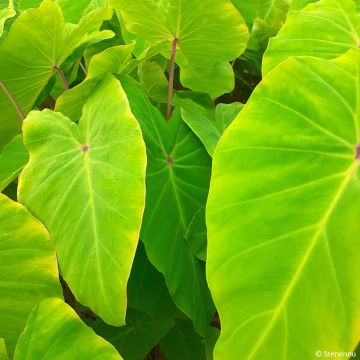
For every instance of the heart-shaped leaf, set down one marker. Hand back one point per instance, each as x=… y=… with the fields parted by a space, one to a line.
x=326 y=29
x=28 y=268
x=284 y=271
x=55 y=332
x=86 y=183
x=178 y=176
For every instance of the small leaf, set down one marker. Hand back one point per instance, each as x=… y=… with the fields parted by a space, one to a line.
x=326 y=29
x=86 y=183
x=54 y=331
x=284 y=271
x=6 y=13
x=3 y=352
x=28 y=268
x=12 y=160
x=226 y=113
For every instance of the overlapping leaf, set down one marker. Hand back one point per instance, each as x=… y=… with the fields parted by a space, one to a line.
x=86 y=183
x=284 y=270
x=325 y=29
x=54 y=331
x=177 y=185
x=6 y=13
x=28 y=268
x=27 y=63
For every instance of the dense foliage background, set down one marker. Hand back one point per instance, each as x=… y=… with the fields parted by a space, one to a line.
x=180 y=179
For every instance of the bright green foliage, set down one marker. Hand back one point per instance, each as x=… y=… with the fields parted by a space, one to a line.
x=179 y=153
x=51 y=44
x=178 y=174
x=55 y=332
x=12 y=160
x=6 y=13
x=187 y=22
x=326 y=29
x=94 y=176
x=28 y=269
x=289 y=162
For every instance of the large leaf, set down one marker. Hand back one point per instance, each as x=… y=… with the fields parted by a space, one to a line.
x=326 y=29
x=12 y=160
x=200 y=27
x=86 y=183
x=28 y=268
x=55 y=332
x=284 y=271
x=178 y=175
x=46 y=45
x=141 y=333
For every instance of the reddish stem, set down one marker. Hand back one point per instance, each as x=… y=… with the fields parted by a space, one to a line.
x=12 y=100
x=171 y=79
x=62 y=76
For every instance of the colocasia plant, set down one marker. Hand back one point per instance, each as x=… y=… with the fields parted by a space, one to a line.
x=179 y=179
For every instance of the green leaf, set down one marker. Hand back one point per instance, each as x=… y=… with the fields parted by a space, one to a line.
x=86 y=183
x=147 y=290
x=196 y=235
x=188 y=21
x=51 y=44
x=326 y=29
x=54 y=331
x=114 y=60
x=183 y=343
x=215 y=80
x=3 y=352
x=28 y=268
x=154 y=81
x=178 y=175
x=226 y=113
x=135 y=340
x=6 y=13
x=12 y=160
x=284 y=270
x=198 y=113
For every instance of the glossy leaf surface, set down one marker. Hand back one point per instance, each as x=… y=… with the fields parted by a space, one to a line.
x=55 y=332
x=86 y=183
x=284 y=277
x=28 y=268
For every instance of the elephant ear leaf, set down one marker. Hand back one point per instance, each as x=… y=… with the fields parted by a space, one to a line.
x=25 y=77
x=289 y=163
x=326 y=29
x=86 y=183
x=54 y=331
x=29 y=271
x=188 y=21
x=6 y=13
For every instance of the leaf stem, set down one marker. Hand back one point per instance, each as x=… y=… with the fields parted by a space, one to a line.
x=62 y=77
x=171 y=79
x=12 y=100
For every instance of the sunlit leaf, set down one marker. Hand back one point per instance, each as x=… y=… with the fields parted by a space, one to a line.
x=46 y=45
x=28 y=268
x=86 y=183
x=55 y=332
x=325 y=29
x=284 y=271
x=6 y=13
